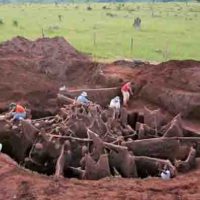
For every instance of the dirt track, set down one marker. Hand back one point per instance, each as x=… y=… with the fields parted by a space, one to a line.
x=32 y=72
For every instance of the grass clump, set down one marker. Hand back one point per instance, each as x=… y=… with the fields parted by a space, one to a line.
x=15 y=23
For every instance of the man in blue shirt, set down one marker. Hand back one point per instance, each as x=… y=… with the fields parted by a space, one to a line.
x=83 y=99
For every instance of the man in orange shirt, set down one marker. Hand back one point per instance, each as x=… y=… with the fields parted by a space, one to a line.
x=126 y=90
x=17 y=111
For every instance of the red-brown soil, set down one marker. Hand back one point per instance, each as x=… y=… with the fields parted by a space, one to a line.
x=20 y=184
x=33 y=71
x=174 y=85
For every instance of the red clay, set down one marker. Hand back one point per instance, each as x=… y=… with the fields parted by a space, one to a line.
x=19 y=184
x=32 y=72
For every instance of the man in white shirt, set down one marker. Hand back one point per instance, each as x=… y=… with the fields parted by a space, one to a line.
x=165 y=174
x=115 y=104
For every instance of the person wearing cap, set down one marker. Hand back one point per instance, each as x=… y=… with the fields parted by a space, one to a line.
x=126 y=90
x=17 y=111
x=83 y=98
x=165 y=174
x=115 y=103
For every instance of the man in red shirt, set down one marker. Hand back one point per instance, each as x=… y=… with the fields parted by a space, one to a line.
x=126 y=90
x=17 y=111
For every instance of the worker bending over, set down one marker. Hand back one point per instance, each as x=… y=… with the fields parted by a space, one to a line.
x=17 y=111
x=83 y=99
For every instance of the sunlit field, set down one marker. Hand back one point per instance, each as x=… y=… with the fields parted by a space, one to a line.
x=105 y=31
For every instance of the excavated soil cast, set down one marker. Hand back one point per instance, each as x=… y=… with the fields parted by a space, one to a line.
x=137 y=142
x=173 y=85
x=33 y=71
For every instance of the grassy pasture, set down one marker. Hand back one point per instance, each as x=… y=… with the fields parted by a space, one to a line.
x=169 y=30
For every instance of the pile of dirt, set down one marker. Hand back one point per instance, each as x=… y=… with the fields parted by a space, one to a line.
x=53 y=56
x=32 y=71
x=173 y=85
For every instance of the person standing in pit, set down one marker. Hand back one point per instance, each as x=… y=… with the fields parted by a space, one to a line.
x=126 y=90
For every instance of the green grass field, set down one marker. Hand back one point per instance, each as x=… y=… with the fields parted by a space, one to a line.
x=173 y=32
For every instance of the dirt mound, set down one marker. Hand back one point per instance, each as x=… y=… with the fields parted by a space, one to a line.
x=56 y=48
x=32 y=71
x=173 y=85
x=182 y=75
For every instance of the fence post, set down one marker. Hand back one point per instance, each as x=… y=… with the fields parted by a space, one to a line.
x=94 y=38
x=43 y=33
x=131 y=44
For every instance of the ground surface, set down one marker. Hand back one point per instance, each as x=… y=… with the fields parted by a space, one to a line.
x=34 y=71
x=169 y=31
x=22 y=185
x=31 y=73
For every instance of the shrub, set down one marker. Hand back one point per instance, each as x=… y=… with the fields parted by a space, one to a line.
x=89 y=8
x=15 y=22
x=60 y=17
x=1 y=21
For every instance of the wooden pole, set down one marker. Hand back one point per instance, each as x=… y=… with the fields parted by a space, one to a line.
x=94 y=38
x=131 y=44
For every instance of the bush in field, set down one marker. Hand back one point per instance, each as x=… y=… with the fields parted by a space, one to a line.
x=111 y=15
x=104 y=7
x=1 y=21
x=15 y=23
x=89 y=8
x=60 y=17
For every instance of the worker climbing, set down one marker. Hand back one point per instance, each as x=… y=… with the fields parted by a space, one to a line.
x=17 y=112
x=82 y=98
x=126 y=90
